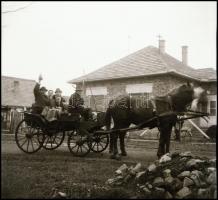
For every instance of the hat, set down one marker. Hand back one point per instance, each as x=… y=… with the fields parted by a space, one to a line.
x=43 y=89
x=58 y=90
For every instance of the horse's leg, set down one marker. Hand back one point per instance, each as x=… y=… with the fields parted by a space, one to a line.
x=161 y=148
x=122 y=143
x=115 y=149
x=168 y=135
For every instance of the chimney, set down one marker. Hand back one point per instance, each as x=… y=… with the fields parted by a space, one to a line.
x=185 y=55
x=162 y=46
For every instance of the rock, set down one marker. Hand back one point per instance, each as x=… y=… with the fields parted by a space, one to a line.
x=166 y=173
x=176 y=185
x=136 y=169
x=146 y=191
x=183 y=193
x=159 y=192
x=149 y=186
x=110 y=181
x=168 y=195
x=168 y=180
x=158 y=181
x=152 y=168
x=62 y=195
x=165 y=158
x=114 y=181
x=186 y=154
x=197 y=173
x=193 y=163
x=198 y=178
x=183 y=159
x=174 y=155
x=187 y=182
x=140 y=176
x=212 y=178
x=128 y=178
x=184 y=174
x=203 y=193
x=121 y=170
x=212 y=161
x=211 y=169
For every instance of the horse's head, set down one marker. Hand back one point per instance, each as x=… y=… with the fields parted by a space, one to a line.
x=186 y=95
x=199 y=97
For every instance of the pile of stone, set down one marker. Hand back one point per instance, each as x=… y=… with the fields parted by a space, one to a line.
x=175 y=175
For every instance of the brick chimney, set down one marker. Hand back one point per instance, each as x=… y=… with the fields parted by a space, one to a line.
x=162 y=46
x=185 y=55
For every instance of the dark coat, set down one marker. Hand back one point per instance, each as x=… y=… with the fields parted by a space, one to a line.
x=41 y=100
x=76 y=100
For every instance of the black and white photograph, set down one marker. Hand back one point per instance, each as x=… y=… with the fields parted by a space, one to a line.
x=108 y=99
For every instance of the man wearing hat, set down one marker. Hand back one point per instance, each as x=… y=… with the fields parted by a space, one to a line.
x=76 y=104
x=41 y=99
x=76 y=101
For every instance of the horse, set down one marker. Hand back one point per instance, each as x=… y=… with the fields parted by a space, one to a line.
x=124 y=111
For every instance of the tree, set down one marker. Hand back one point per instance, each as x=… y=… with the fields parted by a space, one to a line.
x=11 y=8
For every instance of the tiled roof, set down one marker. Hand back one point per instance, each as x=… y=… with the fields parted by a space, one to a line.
x=17 y=91
x=147 y=61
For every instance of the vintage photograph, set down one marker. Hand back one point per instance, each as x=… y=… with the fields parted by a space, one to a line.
x=108 y=99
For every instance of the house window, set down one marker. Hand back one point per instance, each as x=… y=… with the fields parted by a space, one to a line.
x=96 y=91
x=141 y=100
x=212 y=108
x=140 y=93
x=16 y=85
x=96 y=97
x=139 y=88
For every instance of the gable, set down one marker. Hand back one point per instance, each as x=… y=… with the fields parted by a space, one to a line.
x=17 y=92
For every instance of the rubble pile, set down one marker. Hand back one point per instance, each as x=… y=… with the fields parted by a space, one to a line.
x=175 y=175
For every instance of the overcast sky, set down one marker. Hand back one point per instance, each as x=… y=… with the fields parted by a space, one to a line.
x=64 y=40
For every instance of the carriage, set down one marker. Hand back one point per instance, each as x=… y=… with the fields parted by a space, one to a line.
x=35 y=132
x=86 y=136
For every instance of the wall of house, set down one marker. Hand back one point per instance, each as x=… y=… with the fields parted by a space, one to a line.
x=17 y=92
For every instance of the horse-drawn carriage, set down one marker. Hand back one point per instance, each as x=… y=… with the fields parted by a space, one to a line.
x=35 y=132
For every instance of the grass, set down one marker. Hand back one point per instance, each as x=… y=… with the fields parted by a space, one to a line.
x=35 y=176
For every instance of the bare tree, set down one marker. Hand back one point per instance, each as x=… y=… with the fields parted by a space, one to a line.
x=15 y=9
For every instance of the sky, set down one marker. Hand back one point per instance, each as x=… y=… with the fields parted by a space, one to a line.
x=65 y=40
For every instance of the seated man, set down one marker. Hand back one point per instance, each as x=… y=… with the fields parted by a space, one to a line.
x=76 y=105
x=41 y=99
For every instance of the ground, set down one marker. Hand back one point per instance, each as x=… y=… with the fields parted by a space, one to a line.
x=36 y=175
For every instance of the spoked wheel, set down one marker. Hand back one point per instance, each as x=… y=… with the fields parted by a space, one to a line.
x=99 y=142
x=78 y=144
x=29 y=136
x=54 y=140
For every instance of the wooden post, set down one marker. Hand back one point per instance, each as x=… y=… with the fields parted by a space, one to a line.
x=202 y=132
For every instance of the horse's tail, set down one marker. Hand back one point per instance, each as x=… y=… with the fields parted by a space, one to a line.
x=108 y=119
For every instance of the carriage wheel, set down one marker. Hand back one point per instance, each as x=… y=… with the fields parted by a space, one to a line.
x=53 y=141
x=29 y=136
x=78 y=144
x=99 y=143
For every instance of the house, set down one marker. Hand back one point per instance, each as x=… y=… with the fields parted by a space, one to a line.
x=17 y=93
x=149 y=71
